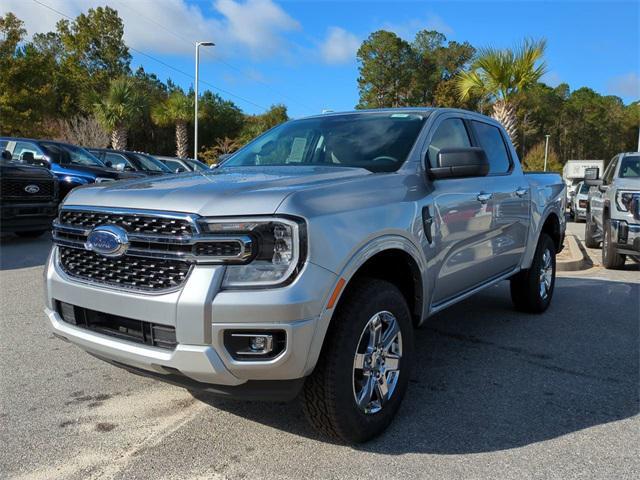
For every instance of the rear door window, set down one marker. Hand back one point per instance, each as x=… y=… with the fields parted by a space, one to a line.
x=491 y=140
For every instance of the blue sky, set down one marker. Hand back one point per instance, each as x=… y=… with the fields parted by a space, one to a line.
x=302 y=53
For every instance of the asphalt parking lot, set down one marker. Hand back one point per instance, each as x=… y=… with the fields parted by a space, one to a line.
x=495 y=394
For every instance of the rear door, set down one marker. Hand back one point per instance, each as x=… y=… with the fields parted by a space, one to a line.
x=510 y=196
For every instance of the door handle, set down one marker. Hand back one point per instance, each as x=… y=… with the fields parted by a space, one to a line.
x=521 y=192
x=484 y=197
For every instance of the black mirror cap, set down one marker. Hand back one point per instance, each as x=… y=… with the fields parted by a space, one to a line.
x=460 y=162
x=597 y=182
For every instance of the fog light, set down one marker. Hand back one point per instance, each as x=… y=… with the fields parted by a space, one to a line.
x=243 y=345
x=67 y=312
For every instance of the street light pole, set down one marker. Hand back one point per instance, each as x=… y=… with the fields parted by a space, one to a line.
x=546 y=151
x=195 y=120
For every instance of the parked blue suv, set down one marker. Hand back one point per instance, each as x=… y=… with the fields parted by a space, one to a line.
x=72 y=165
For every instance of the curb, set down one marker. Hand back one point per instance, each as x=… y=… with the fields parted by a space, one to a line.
x=578 y=256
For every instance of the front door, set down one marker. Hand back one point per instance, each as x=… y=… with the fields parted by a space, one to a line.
x=459 y=218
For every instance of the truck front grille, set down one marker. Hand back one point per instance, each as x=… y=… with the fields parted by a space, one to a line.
x=22 y=190
x=131 y=222
x=160 y=251
x=150 y=274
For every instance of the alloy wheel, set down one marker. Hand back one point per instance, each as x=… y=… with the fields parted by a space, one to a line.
x=376 y=364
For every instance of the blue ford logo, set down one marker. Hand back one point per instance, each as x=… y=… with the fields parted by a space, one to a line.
x=107 y=240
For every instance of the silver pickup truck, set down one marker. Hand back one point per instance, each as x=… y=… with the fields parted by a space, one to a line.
x=301 y=265
x=613 y=210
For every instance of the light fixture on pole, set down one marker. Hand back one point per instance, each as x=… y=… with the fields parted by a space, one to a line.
x=195 y=120
x=546 y=151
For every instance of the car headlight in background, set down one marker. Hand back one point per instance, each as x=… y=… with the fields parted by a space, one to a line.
x=278 y=249
x=624 y=200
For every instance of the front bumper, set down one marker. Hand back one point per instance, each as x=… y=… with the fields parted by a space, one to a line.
x=627 y=237
x=200 y=313
x=21 y=217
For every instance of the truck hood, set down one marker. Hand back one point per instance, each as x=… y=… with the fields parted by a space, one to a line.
x=223 y=191
x=628 y=184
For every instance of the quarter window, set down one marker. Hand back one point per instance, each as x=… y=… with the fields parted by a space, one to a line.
x=491 y=141
x=451 y=133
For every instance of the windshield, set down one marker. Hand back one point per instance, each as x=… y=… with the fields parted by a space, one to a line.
x=379 y=142
x=196 y=165
x=630 y=167
x=151 y=164
x=70 y=154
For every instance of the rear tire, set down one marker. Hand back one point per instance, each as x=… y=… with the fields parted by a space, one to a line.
x=30 y=233
x=589 y=239
x=532 y=289
x=610 y=258
x=343 y=398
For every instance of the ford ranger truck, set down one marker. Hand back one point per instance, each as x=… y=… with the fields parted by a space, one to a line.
x=301 y=266
x=613 y=211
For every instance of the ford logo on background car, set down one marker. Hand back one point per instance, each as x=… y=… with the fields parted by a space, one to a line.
x=32 y=188
x=107 y=240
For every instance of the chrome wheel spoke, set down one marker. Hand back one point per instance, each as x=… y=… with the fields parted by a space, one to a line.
x=390 y=335
x=359 y=361
x=368 y=387
x=392 y=362
x=375 y=332
x=383 y=388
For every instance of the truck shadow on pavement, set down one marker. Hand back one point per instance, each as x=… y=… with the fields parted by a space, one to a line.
x=488 y=378
x=16 y=252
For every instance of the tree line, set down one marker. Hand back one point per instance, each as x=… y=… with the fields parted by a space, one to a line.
x=505 y=83
x=76 y=84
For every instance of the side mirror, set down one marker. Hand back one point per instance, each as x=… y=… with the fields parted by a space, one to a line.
x=460 y=162
x=6 y=155
x=591 y=173
x=27 y=157
x=593 y=183
x=109 y=163
x=602 y=187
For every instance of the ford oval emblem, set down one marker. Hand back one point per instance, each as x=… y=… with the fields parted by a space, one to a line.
x=107 y=240
x=32 y=188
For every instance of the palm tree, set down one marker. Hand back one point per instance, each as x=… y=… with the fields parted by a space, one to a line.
x=119 y=109
x=176 y=110
x=500 y=75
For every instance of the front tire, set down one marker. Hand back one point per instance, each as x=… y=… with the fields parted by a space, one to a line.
x=610 y=258
x=363 y=371
x=589 y=239
x=532 y=289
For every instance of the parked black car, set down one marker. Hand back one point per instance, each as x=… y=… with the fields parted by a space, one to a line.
x=180 y=165
x=72 y=165
x=126 y=161
x=28 y=198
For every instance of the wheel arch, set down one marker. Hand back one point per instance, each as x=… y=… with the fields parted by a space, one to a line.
x=391 y=258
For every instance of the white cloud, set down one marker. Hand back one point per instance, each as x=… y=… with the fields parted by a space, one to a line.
x=168 y=26
x=627 y=85
x=408 y=29
x=339 y=46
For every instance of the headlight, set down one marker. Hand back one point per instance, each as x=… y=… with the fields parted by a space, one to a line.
x=624 y=200
x=78 y=180
x=278 y=249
